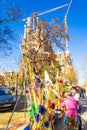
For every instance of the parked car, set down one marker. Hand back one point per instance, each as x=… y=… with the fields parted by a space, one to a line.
x=7 y=100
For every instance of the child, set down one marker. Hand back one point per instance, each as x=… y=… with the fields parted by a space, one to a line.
x=71 y=111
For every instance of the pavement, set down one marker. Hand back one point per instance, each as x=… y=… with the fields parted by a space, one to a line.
x=83 y=102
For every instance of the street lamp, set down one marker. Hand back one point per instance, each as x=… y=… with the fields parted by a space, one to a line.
x=17 y=85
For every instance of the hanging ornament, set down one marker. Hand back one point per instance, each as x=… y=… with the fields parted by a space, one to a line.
x=37 y=117
x=33 y=110
x=45 y=68
x=27 y=128
x=46 y=124
x=42 y=109
x=46 y=76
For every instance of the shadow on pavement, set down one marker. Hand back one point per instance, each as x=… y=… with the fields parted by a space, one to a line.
x=84 y=126
x=20 y=105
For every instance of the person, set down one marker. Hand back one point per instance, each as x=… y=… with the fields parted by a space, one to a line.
x=76 y=96
x=82 y=93
x=71 y=111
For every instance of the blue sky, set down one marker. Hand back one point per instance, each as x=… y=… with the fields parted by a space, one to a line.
x=77 y=27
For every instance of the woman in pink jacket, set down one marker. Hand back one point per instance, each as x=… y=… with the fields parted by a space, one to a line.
x=71 y=111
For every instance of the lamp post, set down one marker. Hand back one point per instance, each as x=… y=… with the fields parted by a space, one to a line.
x=17 y=85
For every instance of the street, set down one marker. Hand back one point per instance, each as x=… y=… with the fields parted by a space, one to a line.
x=20 y=105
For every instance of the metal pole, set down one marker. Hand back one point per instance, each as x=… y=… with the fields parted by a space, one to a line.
x=17 y=86
x=65 y=20
x=59 y=7
x=48 y=11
